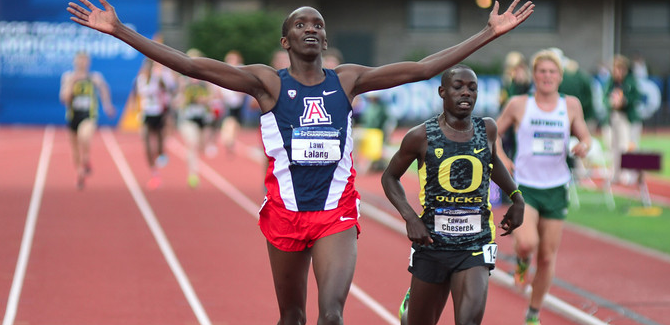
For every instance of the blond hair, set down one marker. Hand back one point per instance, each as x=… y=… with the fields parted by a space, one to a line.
x=547 y=55
x=194 y=53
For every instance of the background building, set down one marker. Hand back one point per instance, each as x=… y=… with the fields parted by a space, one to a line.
x=375 y=32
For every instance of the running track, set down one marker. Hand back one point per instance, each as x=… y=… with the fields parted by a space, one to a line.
x=117 y=253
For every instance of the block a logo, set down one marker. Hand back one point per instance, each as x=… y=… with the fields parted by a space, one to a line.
x=314 y=112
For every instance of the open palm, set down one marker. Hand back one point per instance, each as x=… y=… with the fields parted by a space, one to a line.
x=509 y=19
x=101 y=20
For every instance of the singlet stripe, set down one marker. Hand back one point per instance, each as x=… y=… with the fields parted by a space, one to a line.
x=342 y=175
x=274 y=147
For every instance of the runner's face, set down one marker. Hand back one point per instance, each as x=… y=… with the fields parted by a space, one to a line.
x=82 y=63
x=307 y=32
x=547 y=76
x=460 y=93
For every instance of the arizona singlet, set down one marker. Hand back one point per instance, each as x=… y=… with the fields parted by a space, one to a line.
x=455 y=189
x=307 y=138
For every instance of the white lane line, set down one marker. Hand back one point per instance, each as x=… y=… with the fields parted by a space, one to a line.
x=374 y=305
x=252 y=208
x=155 y=227
x=29 y=229
x=217 y=180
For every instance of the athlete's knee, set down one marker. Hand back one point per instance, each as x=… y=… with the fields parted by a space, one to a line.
x=331 y=317
x=546 y=260
x=471 y=313
x=525 y=247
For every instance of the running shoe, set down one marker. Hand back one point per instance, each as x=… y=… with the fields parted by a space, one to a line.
x=533 y=321
x=81 y=182
x=521 y=271
x=154 y=182
x=211 y=151
x=193 y=180
x=162 y=160
x=88 y=169
x=403 y=305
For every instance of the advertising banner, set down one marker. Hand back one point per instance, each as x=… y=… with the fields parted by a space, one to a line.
x=38 y=42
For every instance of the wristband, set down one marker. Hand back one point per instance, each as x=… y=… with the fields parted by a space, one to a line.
x=514 y=192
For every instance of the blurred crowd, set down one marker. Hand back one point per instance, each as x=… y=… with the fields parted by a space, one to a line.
x=208 y=117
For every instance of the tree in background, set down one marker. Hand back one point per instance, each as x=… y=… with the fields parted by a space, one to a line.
x=253 y=33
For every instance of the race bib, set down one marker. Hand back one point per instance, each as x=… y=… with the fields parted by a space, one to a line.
x=548 y=143
x=458 y=221
x=315 y=146
x=81 y=103
x=490 y=252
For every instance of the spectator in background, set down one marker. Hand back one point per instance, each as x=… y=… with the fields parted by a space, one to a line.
x=79 y=91
x=640 y=72
x=280 y=59
x=516 y=80
x=577 y=83
x=332 y=57
x=620 y=97
x=234 y=103
x=372 y=132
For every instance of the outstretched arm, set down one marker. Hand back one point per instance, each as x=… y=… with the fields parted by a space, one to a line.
x=106 y=21
x=367 y=78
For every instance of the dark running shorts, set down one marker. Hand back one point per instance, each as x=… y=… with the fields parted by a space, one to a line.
x=199 y=121
x=236 y=113
x=437 y=266
x=154 y=122
x=76 y=119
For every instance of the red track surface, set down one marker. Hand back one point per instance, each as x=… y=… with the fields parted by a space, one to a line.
x=97 y=257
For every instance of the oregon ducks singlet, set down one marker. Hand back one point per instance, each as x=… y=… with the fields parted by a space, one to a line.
x=84 y=101
x=455 y=189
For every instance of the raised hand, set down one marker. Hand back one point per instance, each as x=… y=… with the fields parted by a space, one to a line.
x=509 y=19
x=101 y=20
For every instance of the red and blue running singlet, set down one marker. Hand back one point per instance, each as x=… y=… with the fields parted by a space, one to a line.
x=307 y=139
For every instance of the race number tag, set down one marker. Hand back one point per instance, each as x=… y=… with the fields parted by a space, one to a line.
x=315 y=146
x=490 y=253
x=458 y=221
x=81 y=103
x=548 y=143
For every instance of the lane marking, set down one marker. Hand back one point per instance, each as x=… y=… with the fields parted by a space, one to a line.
x=155 y=227
x=29 y=228
x=252 y=208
